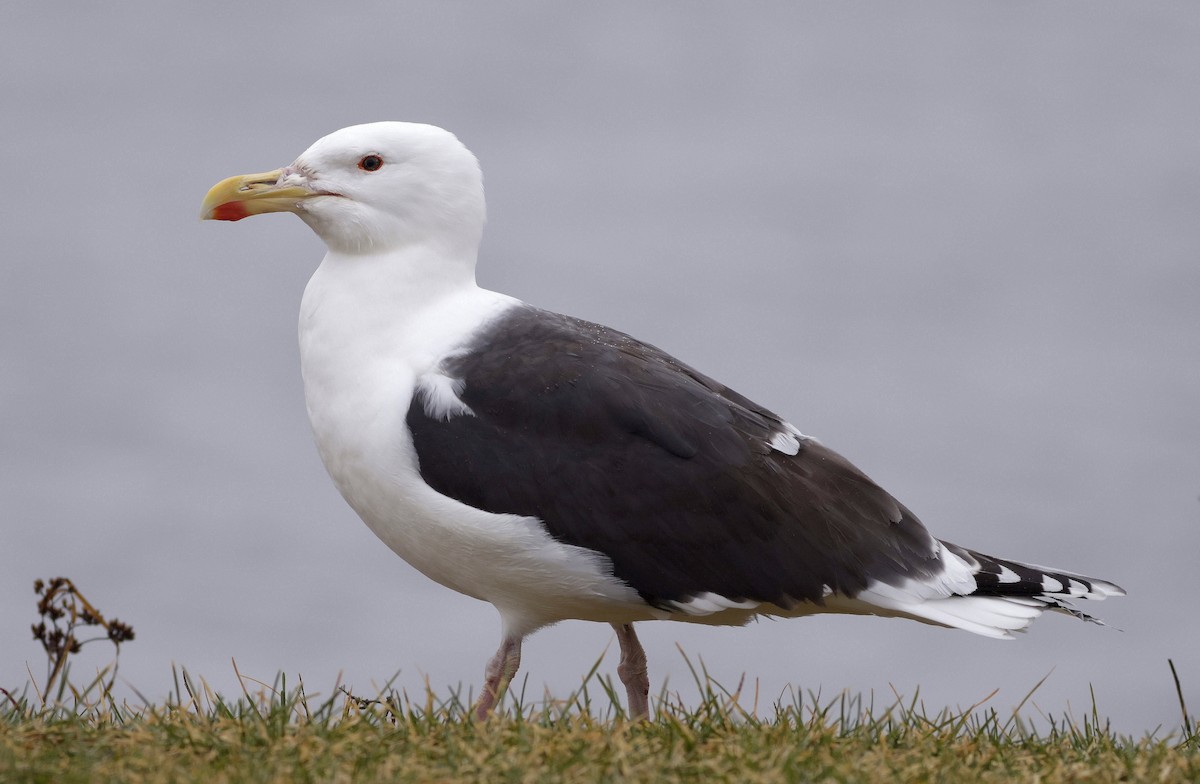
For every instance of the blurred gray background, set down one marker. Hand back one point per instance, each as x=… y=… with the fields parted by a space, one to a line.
x=956 y=241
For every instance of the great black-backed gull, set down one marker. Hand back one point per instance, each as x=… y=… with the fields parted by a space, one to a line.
x=560 y=469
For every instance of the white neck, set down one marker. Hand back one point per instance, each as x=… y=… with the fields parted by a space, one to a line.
x=393 y=283
x=372 y=325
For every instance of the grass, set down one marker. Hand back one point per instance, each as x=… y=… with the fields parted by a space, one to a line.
x=64 y=733
x=281 y=733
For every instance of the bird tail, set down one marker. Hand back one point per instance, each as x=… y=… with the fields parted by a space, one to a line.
x=990 y=596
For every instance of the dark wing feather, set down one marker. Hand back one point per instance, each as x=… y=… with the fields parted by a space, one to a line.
x=618 y=447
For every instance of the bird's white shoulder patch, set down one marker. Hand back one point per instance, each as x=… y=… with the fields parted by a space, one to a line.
x=440 y=396
x=788 y=440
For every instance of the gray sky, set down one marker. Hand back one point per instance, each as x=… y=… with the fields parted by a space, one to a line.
x=958 y=242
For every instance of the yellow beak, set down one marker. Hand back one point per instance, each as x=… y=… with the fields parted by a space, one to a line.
x=234 y=198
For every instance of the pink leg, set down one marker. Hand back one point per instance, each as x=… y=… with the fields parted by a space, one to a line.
x=497 y=675
x=632 y=671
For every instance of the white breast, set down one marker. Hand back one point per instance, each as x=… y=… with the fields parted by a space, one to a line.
x=367 y=341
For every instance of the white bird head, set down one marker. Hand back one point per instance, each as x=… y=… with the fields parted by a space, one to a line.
x=371 y=188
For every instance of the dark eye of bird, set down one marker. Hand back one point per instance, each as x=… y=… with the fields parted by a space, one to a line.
x=371 y=163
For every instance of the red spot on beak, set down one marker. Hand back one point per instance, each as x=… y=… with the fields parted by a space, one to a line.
x=230 y=211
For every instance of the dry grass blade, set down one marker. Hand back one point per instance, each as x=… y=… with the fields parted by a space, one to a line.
x=1188 y=731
